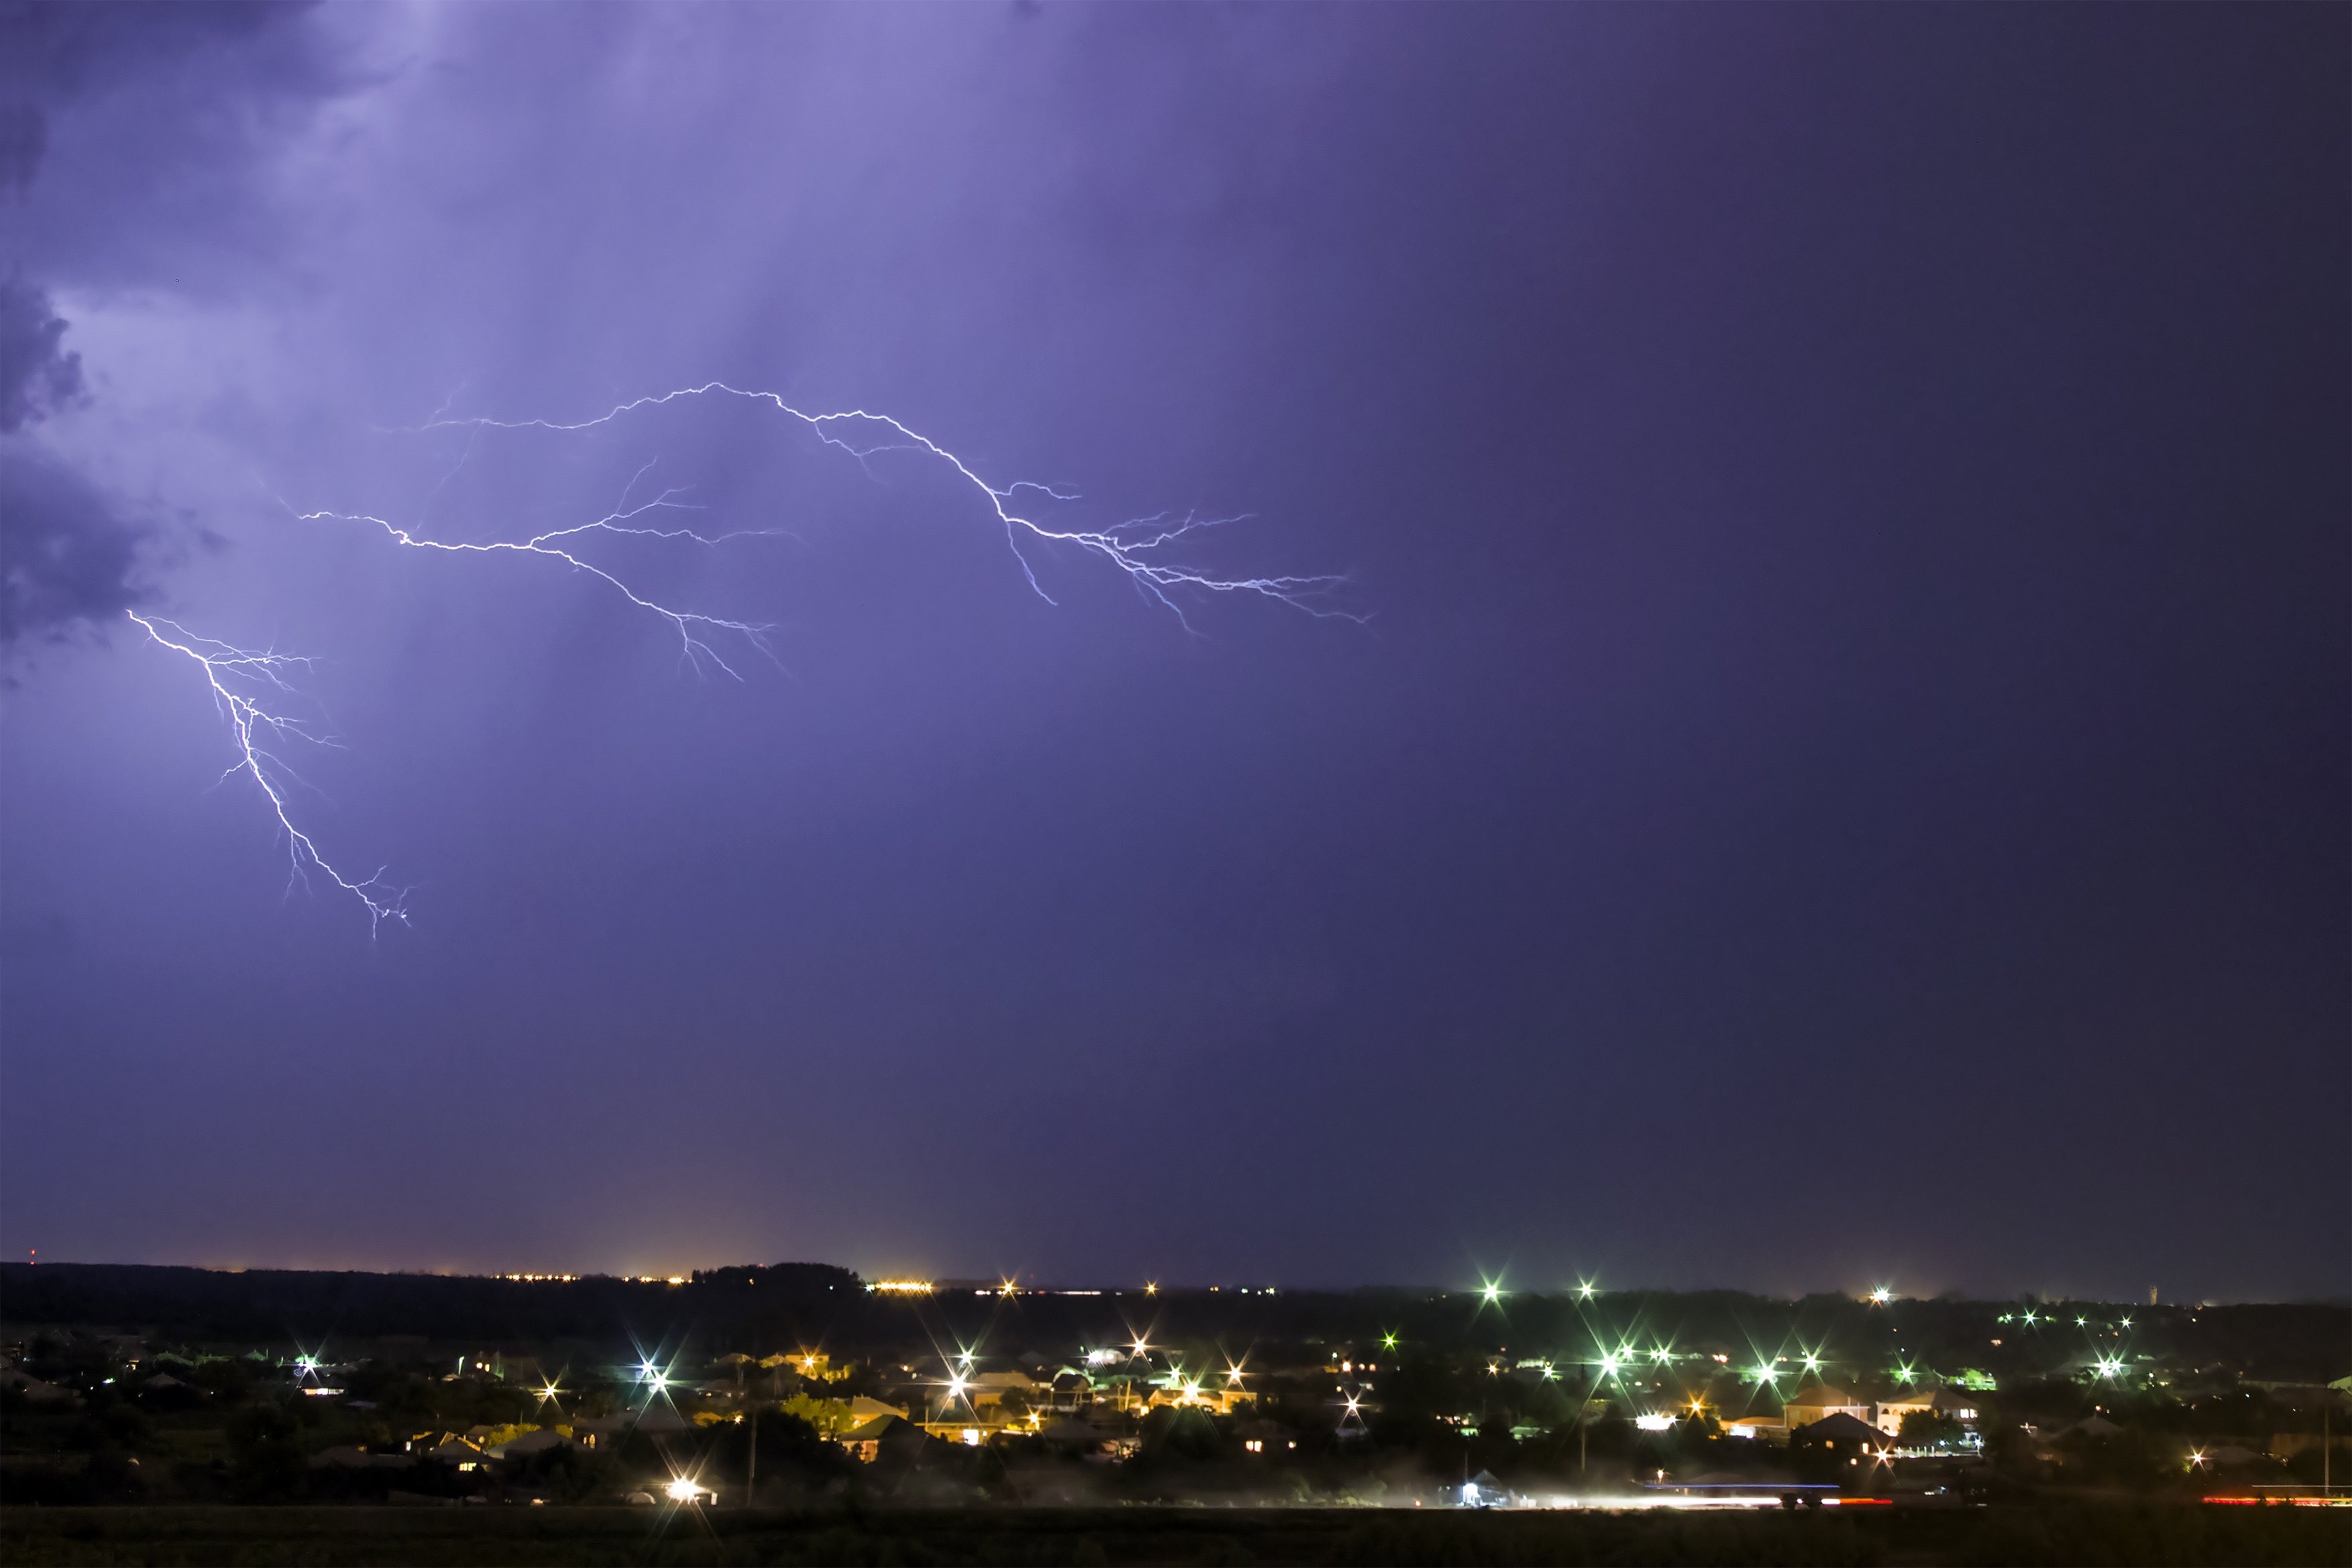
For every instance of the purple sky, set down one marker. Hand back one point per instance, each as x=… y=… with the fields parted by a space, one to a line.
x=1845 y=777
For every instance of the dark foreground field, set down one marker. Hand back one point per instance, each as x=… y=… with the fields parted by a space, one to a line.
x=332 y=1537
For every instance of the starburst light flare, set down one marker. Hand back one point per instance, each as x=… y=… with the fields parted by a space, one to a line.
x=243 y=681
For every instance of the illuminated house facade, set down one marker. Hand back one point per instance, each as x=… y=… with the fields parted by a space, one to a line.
x=1956 y=1403
x=1820 y=1402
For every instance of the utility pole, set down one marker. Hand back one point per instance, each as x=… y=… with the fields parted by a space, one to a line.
x=1584 y=1419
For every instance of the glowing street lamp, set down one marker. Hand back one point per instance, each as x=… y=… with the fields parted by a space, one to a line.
x=1881 y=1296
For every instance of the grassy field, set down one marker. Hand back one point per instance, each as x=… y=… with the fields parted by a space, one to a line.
x=334 y=1537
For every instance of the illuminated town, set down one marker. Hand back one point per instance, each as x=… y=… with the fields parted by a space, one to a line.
x=786 y=1385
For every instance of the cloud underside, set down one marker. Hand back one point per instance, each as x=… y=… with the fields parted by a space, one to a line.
x=66 y=555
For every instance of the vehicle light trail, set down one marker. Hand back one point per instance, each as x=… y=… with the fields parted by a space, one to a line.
x=241 y=680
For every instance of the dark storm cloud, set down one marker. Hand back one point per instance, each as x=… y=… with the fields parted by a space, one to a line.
x=37 y=375
x=138 y=143
x=51 y=54
x=204 y=77
x=65 y=555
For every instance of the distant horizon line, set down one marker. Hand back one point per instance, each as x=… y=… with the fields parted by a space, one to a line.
x=907 y=1284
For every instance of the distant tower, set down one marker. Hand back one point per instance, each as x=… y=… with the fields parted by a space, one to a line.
x=2151 y=1295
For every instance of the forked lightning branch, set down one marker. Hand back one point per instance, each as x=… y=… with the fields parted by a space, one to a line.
x=245 y=684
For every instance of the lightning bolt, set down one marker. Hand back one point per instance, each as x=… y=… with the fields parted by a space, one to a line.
x=1137 y=547
x=242 y=681
x=690 y=627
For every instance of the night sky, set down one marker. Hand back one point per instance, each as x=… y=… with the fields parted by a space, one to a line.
x=1841 y=776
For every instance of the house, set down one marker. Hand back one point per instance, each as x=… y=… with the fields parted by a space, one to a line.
x=864 y=1442
x=989 y=1387
x=1841 y=1433
x=1818 y=1403
x=531 y=1443
x=1772 y=1428
x=1265 y=1438
x=597 y=1430
x=1957 y=1403
x=1071 y=1436
x=1197 y=1396
x=34 y=1389
x=457 y=1452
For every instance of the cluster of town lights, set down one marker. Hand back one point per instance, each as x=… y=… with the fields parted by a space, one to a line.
x=1171 y=1381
